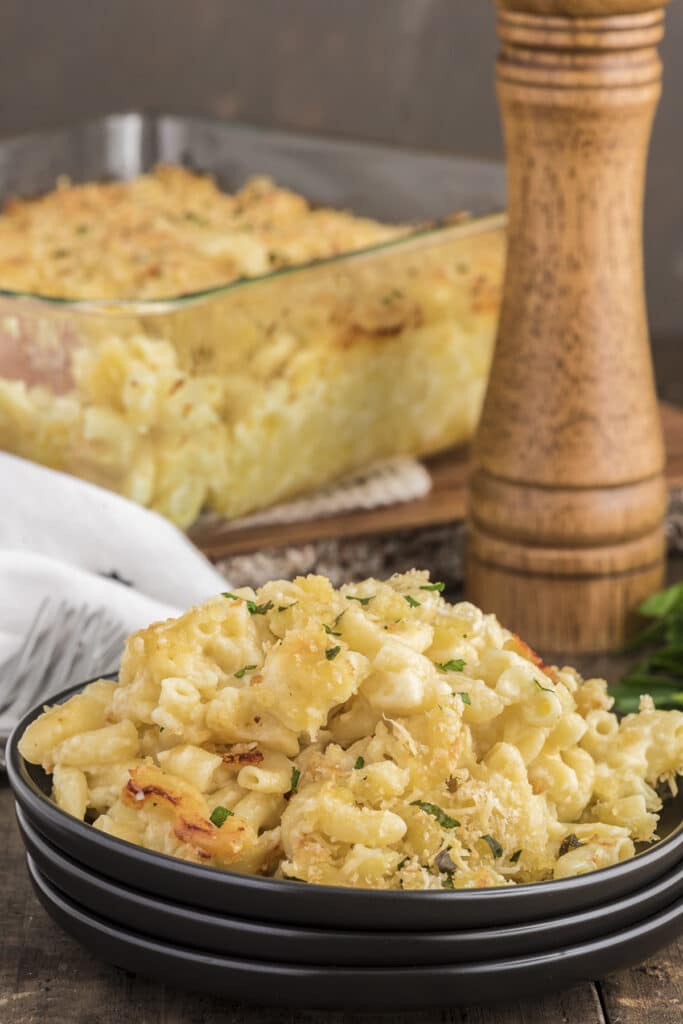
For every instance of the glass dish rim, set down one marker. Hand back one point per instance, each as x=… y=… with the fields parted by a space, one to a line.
x=441 y=230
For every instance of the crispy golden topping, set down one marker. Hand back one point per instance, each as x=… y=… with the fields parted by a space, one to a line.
x=166 y=233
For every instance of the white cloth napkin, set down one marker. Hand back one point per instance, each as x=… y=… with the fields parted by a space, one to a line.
x=62 y=537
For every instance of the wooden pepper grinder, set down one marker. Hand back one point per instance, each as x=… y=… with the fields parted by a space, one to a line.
x=567 y=494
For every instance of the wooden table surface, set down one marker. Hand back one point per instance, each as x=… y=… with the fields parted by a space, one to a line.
x=46 y=977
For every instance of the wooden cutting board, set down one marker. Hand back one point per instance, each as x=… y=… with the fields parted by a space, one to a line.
x=445 y=503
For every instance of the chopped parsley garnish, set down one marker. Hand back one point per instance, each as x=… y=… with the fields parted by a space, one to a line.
x=465 y=696
x=444 y=862
x=447 y=882
x=332 y=652
x=454 y=665
x=219 y=816
x=361 y=600
x=443 y=819
x=440 y=587
x=360 y=763
x=330 y=631
x=195 y=218
x=570 y=842
x=161 y=728
x=402 y=863
x=339 y=617
x=233 y=597
x=245 y=668
x=659 y=670
x=546 y=689
x=296 y=775
x=285 y=607
x=515 y=856
x=496 y=848
x=411 y=601
x=259 y=609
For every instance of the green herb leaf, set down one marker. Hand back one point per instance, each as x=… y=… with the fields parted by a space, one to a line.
x=233 y=597
x=339 y=617
x=496 y=848
x=296 y=775
x=286 y=607
x=360 y=762
x=447 y=882
x=440 y=587
x=454 y=665
x=660 y=672
x=570 y=842
x=332 y=652
x=443 y=819
x=654 y=631
x=546 y=689
x=259 y=609
x=330 y=631
x=656 y=606
x=245 y=668
x=402 y=863
x=219 y=816
x=361 y=600
x=674 y=631
x=465 y=696
x=411 y=601
x=515 y=856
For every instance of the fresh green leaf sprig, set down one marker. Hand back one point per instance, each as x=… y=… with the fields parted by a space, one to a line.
x=660 y=670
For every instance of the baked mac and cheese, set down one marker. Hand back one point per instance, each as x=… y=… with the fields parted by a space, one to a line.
x=251 y=395
x=372 y=736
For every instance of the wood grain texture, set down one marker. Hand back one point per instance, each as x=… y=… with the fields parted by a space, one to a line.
x=567 y=493
x=628 y=997
x=446 y=503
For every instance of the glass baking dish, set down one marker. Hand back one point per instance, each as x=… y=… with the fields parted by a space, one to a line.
x=240 y=396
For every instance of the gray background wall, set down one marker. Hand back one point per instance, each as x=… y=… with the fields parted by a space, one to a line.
x=409 y=71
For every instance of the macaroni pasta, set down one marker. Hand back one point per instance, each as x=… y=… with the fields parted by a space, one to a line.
x=372 y=736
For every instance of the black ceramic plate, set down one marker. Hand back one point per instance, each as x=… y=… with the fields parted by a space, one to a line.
x=231 y=936
x=349 y=988
x=271 y=900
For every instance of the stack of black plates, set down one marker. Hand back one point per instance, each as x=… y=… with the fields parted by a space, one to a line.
x=289 y=944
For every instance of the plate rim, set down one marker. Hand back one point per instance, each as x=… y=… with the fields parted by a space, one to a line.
x=29 y=795
x=258 y=927
x=672 y=912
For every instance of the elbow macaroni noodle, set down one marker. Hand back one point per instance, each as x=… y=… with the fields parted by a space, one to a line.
x=371 y=736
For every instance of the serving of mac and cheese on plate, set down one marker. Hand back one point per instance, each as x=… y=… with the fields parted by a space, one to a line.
x=370 y=736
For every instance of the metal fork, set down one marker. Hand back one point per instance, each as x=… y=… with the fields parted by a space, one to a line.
x=63 y=644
